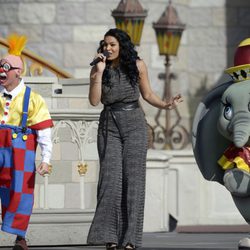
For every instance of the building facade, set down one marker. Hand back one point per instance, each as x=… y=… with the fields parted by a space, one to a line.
x=67 y=33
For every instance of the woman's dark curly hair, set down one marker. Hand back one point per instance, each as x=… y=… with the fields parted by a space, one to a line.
x=127 y=54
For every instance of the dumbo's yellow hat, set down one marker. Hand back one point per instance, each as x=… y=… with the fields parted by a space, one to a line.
x=241 y=69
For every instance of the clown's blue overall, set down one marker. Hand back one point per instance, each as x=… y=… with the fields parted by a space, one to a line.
x=17 y=173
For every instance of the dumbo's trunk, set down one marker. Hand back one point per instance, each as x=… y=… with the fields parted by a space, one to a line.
x=240 y=136
x=241 y=130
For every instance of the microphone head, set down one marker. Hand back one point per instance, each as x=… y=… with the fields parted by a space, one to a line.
x=106 y=53
x=98 y=59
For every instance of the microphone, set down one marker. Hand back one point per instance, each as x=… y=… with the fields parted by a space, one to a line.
x=98 y=59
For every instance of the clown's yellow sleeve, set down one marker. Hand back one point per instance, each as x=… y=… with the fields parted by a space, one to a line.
x=38 y=114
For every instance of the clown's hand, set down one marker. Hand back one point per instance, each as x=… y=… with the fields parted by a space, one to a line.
x=43 y=169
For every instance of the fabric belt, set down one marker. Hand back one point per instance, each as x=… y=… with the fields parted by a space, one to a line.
x=121 y=106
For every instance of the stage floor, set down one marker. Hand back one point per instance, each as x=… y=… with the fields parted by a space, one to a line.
x=170 y=241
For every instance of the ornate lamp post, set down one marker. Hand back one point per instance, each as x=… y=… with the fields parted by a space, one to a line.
x=168 y=31
x=129 y=16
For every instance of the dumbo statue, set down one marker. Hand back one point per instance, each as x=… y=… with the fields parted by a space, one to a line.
x=221 y=134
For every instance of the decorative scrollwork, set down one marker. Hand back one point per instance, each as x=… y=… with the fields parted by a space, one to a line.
x=82 y=168
x=175 y=137
x=36 y=69
x=159 y=140
x=81 y=133
x=179 y=138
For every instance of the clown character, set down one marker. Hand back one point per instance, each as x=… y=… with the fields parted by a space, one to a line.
x=24 y=122
x=221 y=134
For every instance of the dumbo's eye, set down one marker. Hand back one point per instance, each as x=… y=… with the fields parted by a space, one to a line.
x=228 y=112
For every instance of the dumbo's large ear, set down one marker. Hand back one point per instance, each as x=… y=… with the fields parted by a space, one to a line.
x=208 y=143
x=243 y=205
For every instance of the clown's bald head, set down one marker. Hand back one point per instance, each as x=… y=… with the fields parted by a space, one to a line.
x=16 y=45
x=15 y=61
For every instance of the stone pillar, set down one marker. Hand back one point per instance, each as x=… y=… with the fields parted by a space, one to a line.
x=156 y=205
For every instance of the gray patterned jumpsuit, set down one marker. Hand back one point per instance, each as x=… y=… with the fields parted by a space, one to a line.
x=122 y=147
